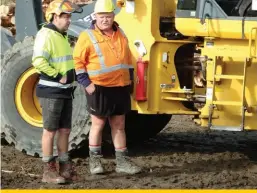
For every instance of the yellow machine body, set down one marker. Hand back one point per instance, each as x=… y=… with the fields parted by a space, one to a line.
x=230 y=89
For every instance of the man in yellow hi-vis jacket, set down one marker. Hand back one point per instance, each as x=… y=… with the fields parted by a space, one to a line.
x=52 y=58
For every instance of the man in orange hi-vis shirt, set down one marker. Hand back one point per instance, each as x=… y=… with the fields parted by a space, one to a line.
x=103 y=66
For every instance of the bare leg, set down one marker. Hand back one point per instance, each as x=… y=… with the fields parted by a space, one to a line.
x=117 y=124
x=47 y=143
x=95 y=135
x=63 y=140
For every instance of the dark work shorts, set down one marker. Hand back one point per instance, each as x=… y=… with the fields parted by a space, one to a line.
x=109 y=101
x=57 y=113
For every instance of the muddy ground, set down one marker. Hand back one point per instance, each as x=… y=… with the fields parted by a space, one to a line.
x=181 y=156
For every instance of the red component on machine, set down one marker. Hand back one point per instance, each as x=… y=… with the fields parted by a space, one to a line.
x=141 y=84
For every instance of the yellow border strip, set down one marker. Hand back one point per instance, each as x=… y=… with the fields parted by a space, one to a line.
x=130 y=191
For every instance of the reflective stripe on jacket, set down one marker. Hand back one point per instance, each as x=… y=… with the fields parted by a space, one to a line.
x=52 y=58
x=107 y=60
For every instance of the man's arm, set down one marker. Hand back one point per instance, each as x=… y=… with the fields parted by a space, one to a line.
x=131 y=69
x=41 y=56
x=80 y=54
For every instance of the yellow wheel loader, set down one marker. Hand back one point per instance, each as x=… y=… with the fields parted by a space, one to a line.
x=191 y=57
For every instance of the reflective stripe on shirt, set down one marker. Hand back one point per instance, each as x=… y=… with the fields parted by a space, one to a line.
x=56 y=84
x=104 y=69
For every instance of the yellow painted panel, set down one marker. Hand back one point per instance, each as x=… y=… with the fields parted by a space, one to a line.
x=227 y=29
x=231 y=29
x=191 y=27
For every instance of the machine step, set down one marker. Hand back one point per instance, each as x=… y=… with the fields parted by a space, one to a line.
x=175 y=98
x=231 y=103
x=222 y=76
x=226 y=128
x=242 y=103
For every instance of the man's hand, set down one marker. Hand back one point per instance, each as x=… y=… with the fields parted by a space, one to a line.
x=63 y=80
x=90 y=89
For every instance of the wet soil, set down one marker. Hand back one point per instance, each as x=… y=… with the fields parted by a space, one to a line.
x=183 y=155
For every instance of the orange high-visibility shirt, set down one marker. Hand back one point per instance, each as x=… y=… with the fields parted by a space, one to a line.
x=107 y=60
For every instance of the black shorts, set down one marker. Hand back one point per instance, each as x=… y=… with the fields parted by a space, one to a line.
x=109 y=101
x=57 y=113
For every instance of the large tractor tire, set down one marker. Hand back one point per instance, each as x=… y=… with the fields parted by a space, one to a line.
x=21 y=119
x=140 y=127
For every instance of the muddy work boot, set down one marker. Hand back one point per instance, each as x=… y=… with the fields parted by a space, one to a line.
x=95 y=164
x=51 y=175
x=67 y=171
x=125 y=165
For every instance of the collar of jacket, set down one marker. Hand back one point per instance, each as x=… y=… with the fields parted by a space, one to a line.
x=53 y=27
x=94 y=27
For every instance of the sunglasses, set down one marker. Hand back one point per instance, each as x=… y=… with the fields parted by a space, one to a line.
x=68 y=7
